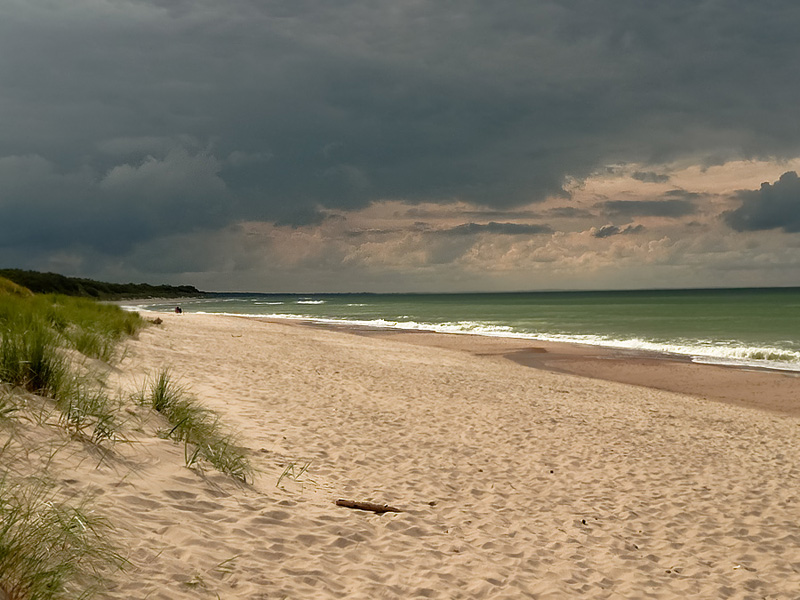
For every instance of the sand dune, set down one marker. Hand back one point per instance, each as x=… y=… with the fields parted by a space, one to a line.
x=514 y=482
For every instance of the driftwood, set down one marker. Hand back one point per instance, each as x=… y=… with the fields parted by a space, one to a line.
x=372 y=506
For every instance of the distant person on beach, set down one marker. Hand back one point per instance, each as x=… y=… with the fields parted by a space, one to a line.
x=178 y=310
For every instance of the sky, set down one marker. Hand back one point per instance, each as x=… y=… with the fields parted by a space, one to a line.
x=402 y=145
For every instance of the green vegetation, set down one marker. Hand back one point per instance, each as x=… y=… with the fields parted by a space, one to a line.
x=91 y=328
x=196 y=426
x=29 y=354
x=49 y=550
x=53 y=283
x=9 y=288
x=35 y=333
x=7 y=406
x=86 y=411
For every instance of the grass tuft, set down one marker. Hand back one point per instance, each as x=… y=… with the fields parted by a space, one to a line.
x=30 y=356
x=8 y=406
x=49 y=550
x=87 y=411
x=196 y=426
x=33 y=331
x=225 y=455
x=93 y=329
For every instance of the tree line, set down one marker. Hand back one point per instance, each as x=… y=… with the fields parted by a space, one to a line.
x=54 y=283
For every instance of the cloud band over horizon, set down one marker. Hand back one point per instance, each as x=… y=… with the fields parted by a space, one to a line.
x=238 y=145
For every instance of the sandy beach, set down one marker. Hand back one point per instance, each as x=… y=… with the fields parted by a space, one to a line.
x=764 y=389
x=514 y=482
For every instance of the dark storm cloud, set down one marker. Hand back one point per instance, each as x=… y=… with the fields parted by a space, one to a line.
x=611 y=230
x=773 y=206
x=45 y=208
x=671 y=208
x=497 y=228
x=145 y=118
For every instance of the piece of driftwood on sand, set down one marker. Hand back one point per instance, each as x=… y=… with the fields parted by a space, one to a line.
x=371 y=506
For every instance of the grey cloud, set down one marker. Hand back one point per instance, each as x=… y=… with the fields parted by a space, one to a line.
x=504 y=214
x=682 y=195
x=569 y=212
x=109 y=212
x=498 y=228
x=418 y=227
x=650 y=177
x=451 y=213
x=611 y=230
x=285 y=109
x=672 y=208
x=773 y=206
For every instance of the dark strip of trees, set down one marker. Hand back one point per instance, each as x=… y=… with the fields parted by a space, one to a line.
x=53 y=283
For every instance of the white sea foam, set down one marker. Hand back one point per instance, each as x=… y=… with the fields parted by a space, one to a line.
x=700 y=351
x=133 y=307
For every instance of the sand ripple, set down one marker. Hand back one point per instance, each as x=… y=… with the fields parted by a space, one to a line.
x=515 y=483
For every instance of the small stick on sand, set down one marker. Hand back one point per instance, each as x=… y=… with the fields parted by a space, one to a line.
x=377 y=508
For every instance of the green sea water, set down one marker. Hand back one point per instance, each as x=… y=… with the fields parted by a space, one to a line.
x=749 y=327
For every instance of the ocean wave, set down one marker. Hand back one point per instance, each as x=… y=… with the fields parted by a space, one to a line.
x=701 y=351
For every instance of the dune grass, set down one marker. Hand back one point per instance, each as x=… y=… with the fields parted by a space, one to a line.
x=92 y=328
x=88 y=412
x=34 y=333
x=196 y=426
x=7 y=406
x=29 y=355
x=9 y=288
x=31 y=358
x=49 y=550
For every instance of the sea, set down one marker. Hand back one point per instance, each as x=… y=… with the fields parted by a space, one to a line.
x=757 y=327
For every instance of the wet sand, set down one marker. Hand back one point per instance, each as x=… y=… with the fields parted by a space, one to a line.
x=763 y=389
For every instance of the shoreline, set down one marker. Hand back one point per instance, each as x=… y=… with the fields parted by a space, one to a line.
x=771 y=390
x=513 y=481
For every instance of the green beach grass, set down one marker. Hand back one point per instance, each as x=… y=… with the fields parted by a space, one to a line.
x=50 y=549
x=197 y=427
x=50 y=346
x=36 y=333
